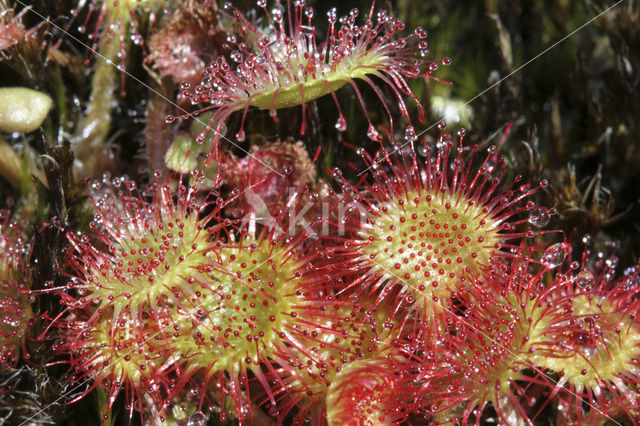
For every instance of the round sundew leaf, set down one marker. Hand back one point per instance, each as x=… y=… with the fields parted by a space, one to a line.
x=124 y=349
x=121 y=331
x=430 y=242
x=154 y=248
x=15 y=308
x=249 y=295
x=597 y=343
x=326 y=345
x=431 y=225
x=485 y=359
x=371 y=391
x=244 y=314
x=15 y=313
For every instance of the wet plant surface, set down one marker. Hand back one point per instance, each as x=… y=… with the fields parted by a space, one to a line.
x=299 y=212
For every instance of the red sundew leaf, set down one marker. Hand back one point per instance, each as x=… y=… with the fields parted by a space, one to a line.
x=15 y=309
x=428 y=222
x=286 y=65
x=522 y=344
x=170 y=294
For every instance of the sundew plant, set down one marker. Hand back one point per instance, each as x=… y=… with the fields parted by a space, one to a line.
x=287 y=212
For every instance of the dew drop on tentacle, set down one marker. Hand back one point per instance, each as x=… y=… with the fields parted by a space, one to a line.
x=341 y=124
x=372 y=133
x=273 y=411
x=585 y=279
x=555 y=255
x=197 y=419
x=540 y=217
x=309 y=12
x=420 y=32
x=332 y=15
x=410 y=134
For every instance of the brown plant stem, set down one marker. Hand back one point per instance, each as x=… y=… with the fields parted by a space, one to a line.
x=157 y=135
